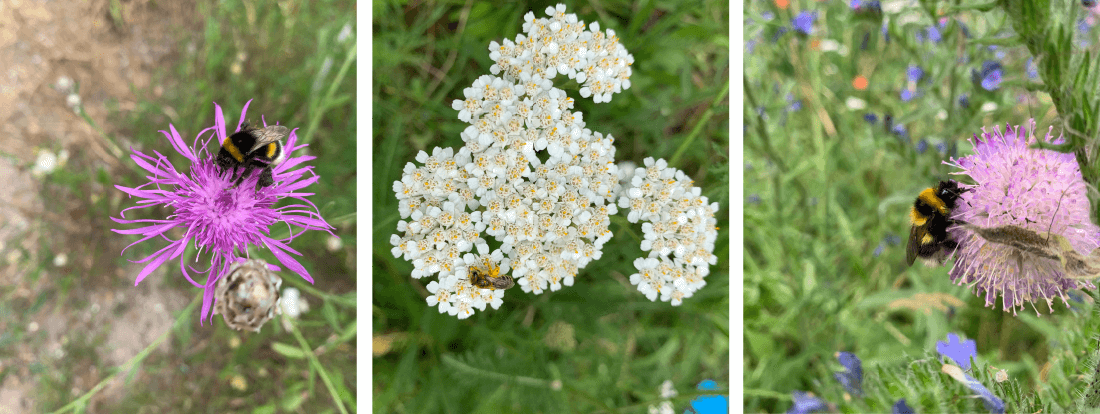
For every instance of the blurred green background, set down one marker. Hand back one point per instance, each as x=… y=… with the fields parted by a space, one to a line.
x=296 y=61
x=828 y=187
x=607 y=344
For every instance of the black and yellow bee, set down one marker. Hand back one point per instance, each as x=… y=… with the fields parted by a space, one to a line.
x=253 y=149
x=489 y=277
x=931 y=217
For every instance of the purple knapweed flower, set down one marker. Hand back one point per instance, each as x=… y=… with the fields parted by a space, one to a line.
x=852 y=376
x=804 y=22
x=805 y=402
x=958 y=350
x=1037 y=190
x=990 y=76
x=216 y=215
x=901 y=407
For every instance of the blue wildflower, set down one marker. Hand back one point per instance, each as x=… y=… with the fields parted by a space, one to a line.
x=867 y=8
x=892 y=239
x=906 y=95
x=805 y=402
x=885 y=32
x=991 y=402
x=1031 y=68
x=716 y=404
x=964 y=100
x=901 y=407
x=852 y=376
x=934 y=34
x=941 y=148
x=878 y=250
x=804 y=22
x=922 y=146
x=870 y=118
x=793 y=105
x=768 y=16
x=990 y=75
x=900 y=131
x=914 y=73
x=958 y=351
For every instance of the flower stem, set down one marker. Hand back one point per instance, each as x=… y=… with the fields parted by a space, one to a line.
x=308 y=351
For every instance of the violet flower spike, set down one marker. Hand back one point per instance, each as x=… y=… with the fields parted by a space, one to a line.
x=216 y=215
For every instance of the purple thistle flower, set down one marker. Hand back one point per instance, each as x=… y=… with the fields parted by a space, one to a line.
x=804 y=22
x=216 y=215
x=852 y=376
x=805 y=402
x=1038 y=190
x=958 y=350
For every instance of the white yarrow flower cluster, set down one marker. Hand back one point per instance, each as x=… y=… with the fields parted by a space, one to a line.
x=679 y=231
x=560 y=44
x=529 y=175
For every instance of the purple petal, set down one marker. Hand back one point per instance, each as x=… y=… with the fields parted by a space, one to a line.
x=286 y=260
x=243 y=112
x=161 y=256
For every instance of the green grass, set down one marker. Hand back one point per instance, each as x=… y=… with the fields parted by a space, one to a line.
x=621 y=346
x=289 y=61
x=825 y=190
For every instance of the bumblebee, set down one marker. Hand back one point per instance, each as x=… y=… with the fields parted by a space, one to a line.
x=489 y=277
x=931 y=217
x=253 y=149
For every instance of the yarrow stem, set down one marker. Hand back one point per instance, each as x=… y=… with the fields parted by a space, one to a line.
x=532 y=177
x=217 y=213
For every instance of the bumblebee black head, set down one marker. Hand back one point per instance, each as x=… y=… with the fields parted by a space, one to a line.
x=949 y=191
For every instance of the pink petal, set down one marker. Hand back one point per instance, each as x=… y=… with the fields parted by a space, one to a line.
x=243 y=112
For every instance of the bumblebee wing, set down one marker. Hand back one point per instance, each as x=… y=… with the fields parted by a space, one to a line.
x=913 y=245
x=268 y=135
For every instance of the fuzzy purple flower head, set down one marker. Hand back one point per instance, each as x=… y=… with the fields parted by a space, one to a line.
x=206 y=208
x=1038 y=190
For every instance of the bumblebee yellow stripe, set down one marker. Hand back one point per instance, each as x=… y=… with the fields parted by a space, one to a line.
x=916 y=218
x=271 y=150
x=929 y=197
x=233 y=150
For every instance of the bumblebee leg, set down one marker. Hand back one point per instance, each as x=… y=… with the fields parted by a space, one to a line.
x=266 y=179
